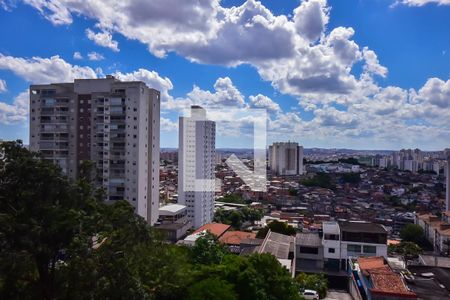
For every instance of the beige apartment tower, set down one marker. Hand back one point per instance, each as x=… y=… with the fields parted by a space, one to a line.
x=286 y=158
x=113 y=124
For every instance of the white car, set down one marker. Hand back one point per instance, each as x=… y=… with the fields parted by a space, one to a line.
x=310 y=295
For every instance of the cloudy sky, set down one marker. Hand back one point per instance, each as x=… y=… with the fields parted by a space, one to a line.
x=363 y=74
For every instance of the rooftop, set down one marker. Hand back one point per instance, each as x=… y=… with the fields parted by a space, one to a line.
x=361 y=226
x=171 y=209
x=217 y=229
x=277 y=244
x=308 y=239
x=236 y=237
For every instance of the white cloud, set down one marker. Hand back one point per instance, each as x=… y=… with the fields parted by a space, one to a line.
x=436 y=92
x=17 y=112
x=77 y=55
x=95 y=56
x=44 y=70
x=261 y=101
x=225 y=94
x=104 y=39
x=310 y=18
x=168 y=125
x=421 y=2
x=3 y=87
x=55 y=11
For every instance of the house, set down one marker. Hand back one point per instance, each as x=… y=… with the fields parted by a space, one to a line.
x=373 y=279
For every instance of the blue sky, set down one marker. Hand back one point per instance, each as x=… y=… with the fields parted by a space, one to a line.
x=357 y=74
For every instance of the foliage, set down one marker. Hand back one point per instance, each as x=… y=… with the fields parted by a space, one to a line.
x=60 y=241
x=236 y=218
x=351 y=177
x=207 y=250
x=320 y=179
x=317 y=282
x=350 y=160
x=293 y=192
x=412 y=233
x=278 y=227
x=407 y=249
x=233 y=198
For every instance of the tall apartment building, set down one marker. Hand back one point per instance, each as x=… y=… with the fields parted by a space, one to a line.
x=196 y=162
x=286 y=158
x=112 y=123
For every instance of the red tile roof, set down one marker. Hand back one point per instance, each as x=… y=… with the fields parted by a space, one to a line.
x=217 y=229
x=235 y=237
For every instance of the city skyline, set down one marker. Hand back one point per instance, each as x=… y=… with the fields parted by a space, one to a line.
x=327 y=78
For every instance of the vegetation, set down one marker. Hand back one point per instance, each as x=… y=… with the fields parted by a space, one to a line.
x=317 y=282
x=233 y=199
x=60 y=241
x=321 y=179
x=408 y=250
x=236 y=218
x=278 y=227
x=351 y=178
x=415 y=234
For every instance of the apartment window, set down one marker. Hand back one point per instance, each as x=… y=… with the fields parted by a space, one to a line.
x=331 y=250
x=370 y=249
x=354 y=248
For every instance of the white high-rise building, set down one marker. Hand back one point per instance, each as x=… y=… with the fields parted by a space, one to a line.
x=113 y=124
x=286 y=158
x=196 y=162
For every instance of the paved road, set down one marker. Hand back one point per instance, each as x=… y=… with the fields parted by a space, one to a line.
x=338 y=295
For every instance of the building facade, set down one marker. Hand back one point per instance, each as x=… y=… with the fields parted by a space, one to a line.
x=196 y=163
x=286 y=158
x=111 y=123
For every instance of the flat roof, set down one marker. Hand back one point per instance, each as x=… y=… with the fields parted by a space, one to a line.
x=362 y=226
x=308 y=239
x=171 y=209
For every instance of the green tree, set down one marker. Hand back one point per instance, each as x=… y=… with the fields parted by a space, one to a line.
x=317 y=282
x=233 y=198
x=351 y=178
x=212 y=289
x=207 y=250
x=320 y=179
x=412 y=233
x=408 y=250
x=278 y=227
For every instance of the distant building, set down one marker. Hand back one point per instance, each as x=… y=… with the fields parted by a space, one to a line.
x=173 y=221
x=329 y=250
x=286 y=158
x=112 y=123
x=447 y=181
x=196 y=163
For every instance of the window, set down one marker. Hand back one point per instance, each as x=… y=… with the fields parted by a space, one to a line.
x=354 y=248
x=333 y=237
x=309 y=250
x=370 y=249
x=331 y=250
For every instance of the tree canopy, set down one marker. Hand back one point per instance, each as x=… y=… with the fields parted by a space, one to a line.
x=58 y=239
x=278 y=227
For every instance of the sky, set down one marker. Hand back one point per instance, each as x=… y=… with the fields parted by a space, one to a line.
x=360 y=74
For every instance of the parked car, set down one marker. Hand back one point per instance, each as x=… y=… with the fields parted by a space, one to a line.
x=309 y=294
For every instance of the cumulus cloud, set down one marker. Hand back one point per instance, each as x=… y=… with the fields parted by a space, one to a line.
x=44 y=70
x=168 y=125
x=104 y=39
x=77 y=55
x=17 y=112
x=53 y=10
x=152 y=79
x=436 y=92
x=2 y=86
x=310 y=19
x=224 y=94
x=95 y=56
x=261 y=101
